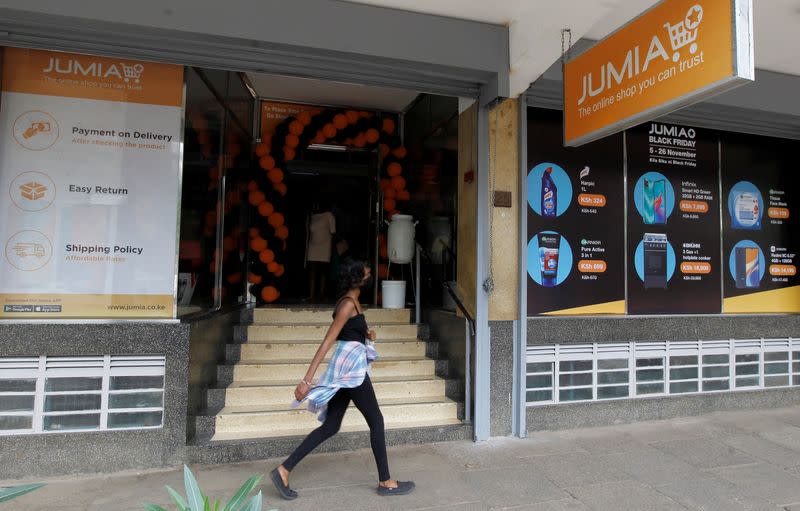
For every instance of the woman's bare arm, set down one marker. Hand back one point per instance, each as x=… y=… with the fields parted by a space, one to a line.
x=344 y=312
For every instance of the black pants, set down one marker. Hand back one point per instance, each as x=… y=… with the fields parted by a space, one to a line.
x=363 y=397
x=318 y=280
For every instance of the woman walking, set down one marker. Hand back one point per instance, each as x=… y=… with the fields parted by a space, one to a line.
x=345 y=380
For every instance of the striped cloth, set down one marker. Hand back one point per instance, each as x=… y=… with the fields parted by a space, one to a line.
x=349 y=365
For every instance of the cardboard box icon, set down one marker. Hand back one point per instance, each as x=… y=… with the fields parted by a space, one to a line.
x=33 y=190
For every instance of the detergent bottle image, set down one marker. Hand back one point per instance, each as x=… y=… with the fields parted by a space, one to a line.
x=549 y=194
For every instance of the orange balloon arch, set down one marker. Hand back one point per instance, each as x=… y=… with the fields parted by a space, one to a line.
x=267 y=191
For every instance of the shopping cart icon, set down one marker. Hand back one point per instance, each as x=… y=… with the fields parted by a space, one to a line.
x=132 y=72
x=685 y=32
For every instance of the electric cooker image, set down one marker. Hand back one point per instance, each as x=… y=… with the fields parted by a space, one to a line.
x=655 y=260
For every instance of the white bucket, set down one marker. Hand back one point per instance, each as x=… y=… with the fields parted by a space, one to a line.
x=394 y=294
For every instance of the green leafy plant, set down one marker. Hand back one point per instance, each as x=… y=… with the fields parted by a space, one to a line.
x=15 y=491
x=196 y=500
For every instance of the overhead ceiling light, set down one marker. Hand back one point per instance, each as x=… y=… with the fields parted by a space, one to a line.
x=327 y=147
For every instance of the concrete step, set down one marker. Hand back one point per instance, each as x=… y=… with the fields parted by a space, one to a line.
x=244 y=422
x=302 y=432
x=281 y=394
x=279 y=351
x=294 y=370
x=322 y=316
x=317 y=332
x=241 y=448
x=216 y=398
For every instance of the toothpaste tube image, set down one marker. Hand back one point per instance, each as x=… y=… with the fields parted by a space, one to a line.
x=548 y=258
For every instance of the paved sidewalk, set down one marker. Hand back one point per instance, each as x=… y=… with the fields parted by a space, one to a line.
x=724 y=461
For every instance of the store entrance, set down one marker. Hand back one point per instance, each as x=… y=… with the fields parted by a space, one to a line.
x=330 y=184
x=333 y=177
x=259 y=172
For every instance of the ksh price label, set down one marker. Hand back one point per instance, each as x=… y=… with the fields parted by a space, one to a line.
x=779 y=213
x=695 y=268
x=782 y=270
x=592 y=200
x=694 y=206
x=592 y=266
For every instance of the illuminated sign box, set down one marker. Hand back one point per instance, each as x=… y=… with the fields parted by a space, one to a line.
x=677 y=53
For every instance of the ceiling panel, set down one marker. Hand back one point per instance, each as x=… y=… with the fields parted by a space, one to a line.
x=320 y=92
x=535 y=27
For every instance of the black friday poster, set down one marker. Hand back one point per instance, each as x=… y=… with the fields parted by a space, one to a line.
x=673 y=227
x=575 y=262
x=759 y=186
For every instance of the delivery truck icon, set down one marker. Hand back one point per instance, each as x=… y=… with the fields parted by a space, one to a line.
x=30 y=250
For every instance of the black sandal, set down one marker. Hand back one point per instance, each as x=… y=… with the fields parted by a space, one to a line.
x=284 y=490
x=403 y=488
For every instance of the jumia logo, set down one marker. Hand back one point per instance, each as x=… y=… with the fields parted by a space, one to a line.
x=672 y=131
x=683 y=33
x=631 y=66
x=72 y=66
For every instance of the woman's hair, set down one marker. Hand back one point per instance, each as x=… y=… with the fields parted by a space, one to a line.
x=351 y=274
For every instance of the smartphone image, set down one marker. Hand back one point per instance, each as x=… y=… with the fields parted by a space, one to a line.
x=659 y=202
x=648 y=210
x=748 y=271
x=753 y=272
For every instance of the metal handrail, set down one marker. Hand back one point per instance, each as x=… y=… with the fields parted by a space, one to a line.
x=461 y=307
x=468 y=337
x=452 y=255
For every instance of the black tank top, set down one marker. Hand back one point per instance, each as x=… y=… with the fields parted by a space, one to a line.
x=356 y=327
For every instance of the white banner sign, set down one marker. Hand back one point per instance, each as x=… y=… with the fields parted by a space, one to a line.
x=90 y=157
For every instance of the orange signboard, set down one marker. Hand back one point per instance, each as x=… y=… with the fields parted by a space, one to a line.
x=73 y=75
x=677 y=53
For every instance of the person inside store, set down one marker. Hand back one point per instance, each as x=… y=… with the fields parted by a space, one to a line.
x=340 y=252
x=321 y=229
x=346 y=379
